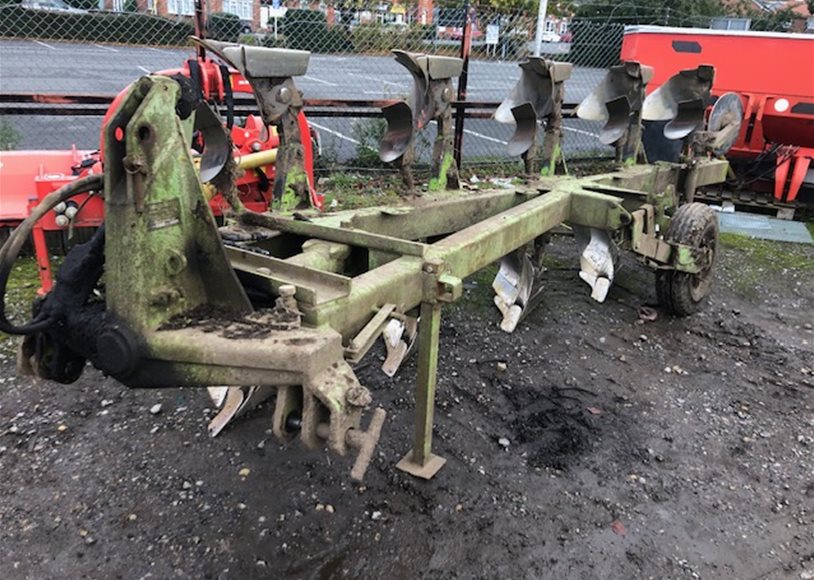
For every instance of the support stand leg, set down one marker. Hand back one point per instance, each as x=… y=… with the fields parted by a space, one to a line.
x=420 y=461
x=43 y=262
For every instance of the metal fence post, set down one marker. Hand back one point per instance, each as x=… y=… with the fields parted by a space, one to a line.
x=466 y=46
x=200 y=25
x=538 y=36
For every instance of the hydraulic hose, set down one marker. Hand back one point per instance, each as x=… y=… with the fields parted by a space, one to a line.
x=11 y=249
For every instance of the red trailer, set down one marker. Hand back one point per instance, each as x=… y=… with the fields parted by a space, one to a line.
x=773 y=73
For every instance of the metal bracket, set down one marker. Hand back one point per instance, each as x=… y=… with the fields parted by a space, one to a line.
x=439 y=286
x=661 y=253
x=598 y=210
x=361 y=343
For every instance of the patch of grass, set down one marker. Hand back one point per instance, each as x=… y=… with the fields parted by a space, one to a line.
x=756 y=261
x=354 y=191
x=368 y=133
x=20 y=293
x=768 y=254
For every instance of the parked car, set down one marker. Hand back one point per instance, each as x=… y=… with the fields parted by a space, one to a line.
x=51 y=6
x=550 y=37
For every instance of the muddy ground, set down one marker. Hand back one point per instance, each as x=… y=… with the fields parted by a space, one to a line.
x=608 y=448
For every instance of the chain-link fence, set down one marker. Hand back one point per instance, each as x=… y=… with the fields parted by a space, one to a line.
x=79 y=47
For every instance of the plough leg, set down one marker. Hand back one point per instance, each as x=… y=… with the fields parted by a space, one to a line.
x=517 y=285
x=595 y=260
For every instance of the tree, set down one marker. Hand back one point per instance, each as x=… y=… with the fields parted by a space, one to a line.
x=677 y=12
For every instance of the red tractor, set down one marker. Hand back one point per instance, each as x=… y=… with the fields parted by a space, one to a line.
x=26 y=177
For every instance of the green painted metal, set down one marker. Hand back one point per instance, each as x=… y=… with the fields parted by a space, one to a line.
x=351 y=237
x=684 y=259
x=428 y=330
x=484 y=228
x=163 y=253
x=598 y=210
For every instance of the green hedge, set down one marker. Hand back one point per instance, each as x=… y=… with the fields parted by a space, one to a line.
x=596 y=44
x=308 y=30
x=125 y=28
x=369 y=38
x=224 y=26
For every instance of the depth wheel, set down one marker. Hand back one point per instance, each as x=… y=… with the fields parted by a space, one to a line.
x=694 y=225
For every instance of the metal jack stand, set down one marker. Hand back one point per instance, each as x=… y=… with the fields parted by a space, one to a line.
x=430 y=100
x=438 y=288
x=270 y=72
x=420 y=461
x=537 y=96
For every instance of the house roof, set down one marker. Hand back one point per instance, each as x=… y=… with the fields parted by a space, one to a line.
x=797 y=6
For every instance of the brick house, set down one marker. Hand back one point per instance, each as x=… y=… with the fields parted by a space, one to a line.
x=247 y=10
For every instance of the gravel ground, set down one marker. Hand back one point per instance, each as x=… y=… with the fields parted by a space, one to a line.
x=607 y=448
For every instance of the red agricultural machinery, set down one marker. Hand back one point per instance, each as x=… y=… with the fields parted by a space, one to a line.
x=772 y=78
x=27 y=177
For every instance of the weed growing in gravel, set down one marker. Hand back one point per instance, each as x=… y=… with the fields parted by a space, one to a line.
x=772 y=255
x=354 y=191
x=761 y=259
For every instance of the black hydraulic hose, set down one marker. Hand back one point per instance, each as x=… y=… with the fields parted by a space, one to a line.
x=11 y=249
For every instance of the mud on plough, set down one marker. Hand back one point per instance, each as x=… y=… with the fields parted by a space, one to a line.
x=283 y=304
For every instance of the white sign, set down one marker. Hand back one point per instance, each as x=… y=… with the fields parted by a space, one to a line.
x=492 y=34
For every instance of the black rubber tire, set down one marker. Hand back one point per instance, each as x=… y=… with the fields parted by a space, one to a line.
x=681 y=293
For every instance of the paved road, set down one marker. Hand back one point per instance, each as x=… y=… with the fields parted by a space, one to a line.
x=50 y=67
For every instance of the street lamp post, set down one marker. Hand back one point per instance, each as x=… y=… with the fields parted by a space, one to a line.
x=538 y=37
